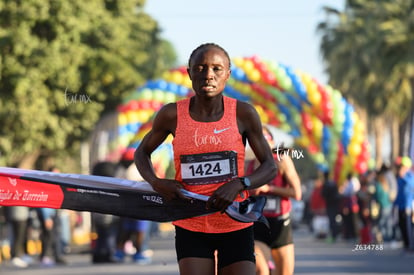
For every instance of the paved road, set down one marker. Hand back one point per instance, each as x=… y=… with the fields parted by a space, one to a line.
x=312 y=257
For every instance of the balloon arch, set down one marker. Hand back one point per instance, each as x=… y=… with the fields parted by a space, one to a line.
x=317 y=116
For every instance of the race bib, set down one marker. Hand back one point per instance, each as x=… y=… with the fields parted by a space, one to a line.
x=209 y=168
x=273 y=204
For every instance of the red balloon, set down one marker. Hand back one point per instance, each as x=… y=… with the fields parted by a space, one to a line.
x=155 y=105
x=269 y=78
x=182 y=69
x=121 y=108
x=144 y=104
x=313 y=149
x=133 y=105
x=255 y=59
x=361 y=167
x=307 y=122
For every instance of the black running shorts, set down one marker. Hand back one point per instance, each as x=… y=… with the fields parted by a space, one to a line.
x=279 y=234
x=232 y=247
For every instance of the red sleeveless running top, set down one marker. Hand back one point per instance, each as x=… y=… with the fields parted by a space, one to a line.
x=207 y=155
x=276 y=206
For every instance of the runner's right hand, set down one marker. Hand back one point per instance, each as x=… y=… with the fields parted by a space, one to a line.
x=170 y=189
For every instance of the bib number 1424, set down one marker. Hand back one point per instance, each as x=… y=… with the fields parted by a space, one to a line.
x=209 y=168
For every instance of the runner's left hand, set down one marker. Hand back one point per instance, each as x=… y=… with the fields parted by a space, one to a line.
x=225 y=195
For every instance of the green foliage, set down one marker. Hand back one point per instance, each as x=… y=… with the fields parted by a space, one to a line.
x=367 y=50
x=65 y=63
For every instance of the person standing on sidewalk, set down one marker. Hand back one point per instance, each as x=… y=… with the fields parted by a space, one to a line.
x=404 y=202
x=17 y=217
x=50 y=234
x=350 y=207
x=332 y=199
x=106 y=226
x=132 y=230
x=210 y=133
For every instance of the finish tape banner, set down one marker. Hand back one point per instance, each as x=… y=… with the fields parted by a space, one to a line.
x=121 y=197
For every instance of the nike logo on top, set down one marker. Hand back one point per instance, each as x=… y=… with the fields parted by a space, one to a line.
x=220 y=131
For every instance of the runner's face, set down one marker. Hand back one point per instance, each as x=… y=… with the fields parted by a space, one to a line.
x=209 y=71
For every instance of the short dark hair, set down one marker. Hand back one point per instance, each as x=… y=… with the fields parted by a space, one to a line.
x=206 y=46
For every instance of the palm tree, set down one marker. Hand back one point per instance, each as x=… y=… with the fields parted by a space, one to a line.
x=366 y=50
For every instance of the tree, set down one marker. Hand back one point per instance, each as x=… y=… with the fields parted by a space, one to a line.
x=367 y=53
x=63 y=64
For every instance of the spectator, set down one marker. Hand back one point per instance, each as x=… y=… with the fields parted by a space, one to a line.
x=104 y=225
x=350 y=207
x=51 y=252
x=320 y=220
x=332 y=198
x=368 y=207
x=404 y=202
x=133 y=230
x=50 y=234
x=383 y=197
x=17 y=217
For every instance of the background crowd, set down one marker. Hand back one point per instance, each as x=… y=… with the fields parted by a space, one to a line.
x=372 y=208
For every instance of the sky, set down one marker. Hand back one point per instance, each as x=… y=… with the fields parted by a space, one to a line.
x=281 y=31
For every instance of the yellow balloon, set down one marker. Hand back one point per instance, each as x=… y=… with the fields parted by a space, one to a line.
x=254 y=75
x=317 y=127
x=359 y=126
x=306 y=80
x=354 y=149
x=177 y=77
x=133 y=116
x=238 y=61
x=303 y=141
x=264 y=118
x=247 y=89
x=122 y=119
x=357 y=138
x=140 y=135
x=166 y=75
x=187 y=82
x=313 y=95
x=248 y=66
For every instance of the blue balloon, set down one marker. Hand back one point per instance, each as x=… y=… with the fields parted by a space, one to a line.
x=295 y=103
x=161 y=84
x=172 y=87
x=122 y=130
x=231 y=92
x=134 y=144
x=299 y=88
x=285 y=111
x=295 y=132
x=326 y=140
x=133 y=127
x=239 y=75
x=322 y=167
x=183 y=90
x=346 y=138
x=151 y=84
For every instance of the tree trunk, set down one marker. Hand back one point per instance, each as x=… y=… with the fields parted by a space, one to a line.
x=395 y=139
x=404 y=132
x=411 y=127
x=29 y=160
x=379 y=137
